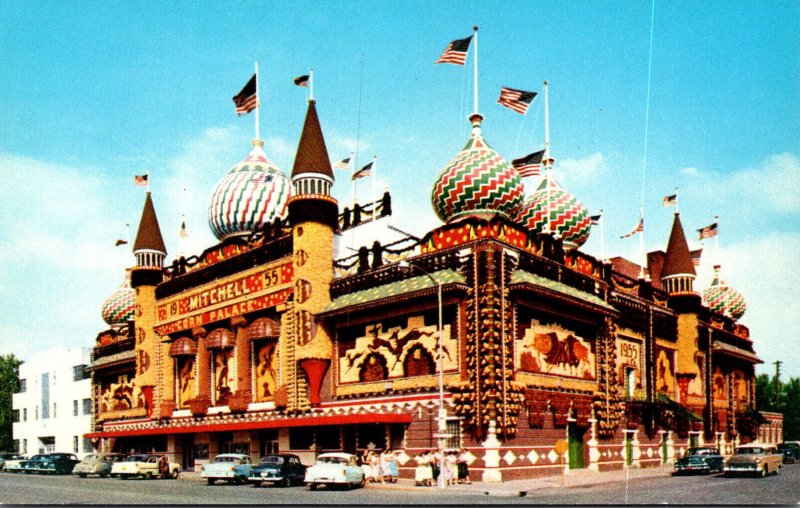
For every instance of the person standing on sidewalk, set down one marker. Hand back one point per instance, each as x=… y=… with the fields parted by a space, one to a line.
x=463 y=467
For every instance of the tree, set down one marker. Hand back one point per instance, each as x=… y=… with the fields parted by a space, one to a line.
x=9 y=385
x=788 y=403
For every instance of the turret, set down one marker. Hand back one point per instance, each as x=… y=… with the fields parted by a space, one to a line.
x=678 y=274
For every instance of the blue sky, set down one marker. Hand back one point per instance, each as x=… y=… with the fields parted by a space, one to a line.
x=96 y=92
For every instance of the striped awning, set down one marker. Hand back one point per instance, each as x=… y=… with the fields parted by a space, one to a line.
x=263 y=327
x=183 y=346
x=221 y=338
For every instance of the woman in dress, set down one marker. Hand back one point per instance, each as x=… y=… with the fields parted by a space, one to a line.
x=463 y=469
x=392 y=464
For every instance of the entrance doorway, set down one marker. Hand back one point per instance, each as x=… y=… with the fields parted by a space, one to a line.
x=267 y=442
x=575 y=434
x=187 y=451
x=628 y=448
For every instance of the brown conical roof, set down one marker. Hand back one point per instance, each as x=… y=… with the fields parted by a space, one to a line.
x=678 y=259
x=149 y=235
x=312 y=156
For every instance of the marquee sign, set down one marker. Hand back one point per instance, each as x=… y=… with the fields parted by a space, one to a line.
x=226 y=298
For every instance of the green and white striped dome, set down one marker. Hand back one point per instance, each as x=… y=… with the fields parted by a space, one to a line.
x=724 y=299
x=118 y=308
x=563 y=214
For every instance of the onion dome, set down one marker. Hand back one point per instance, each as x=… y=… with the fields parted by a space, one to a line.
x=118 y=308
x=477 y=182
x=724 y=299
x=253 y=193
x=568 y=218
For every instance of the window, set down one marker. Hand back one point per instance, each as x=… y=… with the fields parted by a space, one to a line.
x=453 y=427
x=16 y=445
x=87 y=406
x=37 y=412
x=54 y=410
x=23 y=386
x=15 y=417
x=24 y=446
x=74 y=408
x=45 y=396
x=75 y=444
x=87 y=445
x=80 y=372
x=630 y=382
x=25 y=414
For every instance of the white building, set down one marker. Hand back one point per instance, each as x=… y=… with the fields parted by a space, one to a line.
x=53 y=408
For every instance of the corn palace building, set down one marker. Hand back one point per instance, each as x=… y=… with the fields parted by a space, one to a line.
x=305 y=331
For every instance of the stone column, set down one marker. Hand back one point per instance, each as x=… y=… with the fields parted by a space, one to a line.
x=491 y=455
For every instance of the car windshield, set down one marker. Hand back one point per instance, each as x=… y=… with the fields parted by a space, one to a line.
x=137 y=458
x=332 y=460
x=753 y=450
x=90 y=458
x=272 y=460
x=701 y=451
x=234 y=460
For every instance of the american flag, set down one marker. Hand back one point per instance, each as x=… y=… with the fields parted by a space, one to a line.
x=670 y=200
x=301 y=80
x=596 y=218
x=120 y=242
x=247 y=99
x=456 y=52
x=361 y=173
x=696 y=256
x=708 y=231
x=530 y=165
x=141 y=180
x=342 y=164
x=517 y=100
x=637 y=229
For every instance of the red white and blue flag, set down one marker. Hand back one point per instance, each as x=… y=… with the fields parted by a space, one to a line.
x=530 y=165
x=637 y=229
x=696 y=256
x=456 y=52
x=516 y=100
x=708 y=231
x=364 y=171
x=301 y=80
x=247 y=99
x=141 y=180
x=670 y=200
x=596 y=218
x=342 y=164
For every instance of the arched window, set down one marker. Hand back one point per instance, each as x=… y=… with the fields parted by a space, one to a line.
x=373 y=368
x=418 y=362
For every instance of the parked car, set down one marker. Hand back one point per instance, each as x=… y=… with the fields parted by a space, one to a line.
x=30 y=465
x=335 y=469
x=97 y=463
x=51 y=463
x=14 y=465
x=754 y=459
x=790 y=451
x=145 y=466
x=701 y=460
x=224 y=467
x=9 y=456
x=280 y=469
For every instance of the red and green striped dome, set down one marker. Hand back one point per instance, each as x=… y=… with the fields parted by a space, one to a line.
x=118 y=308
x=477 y=182
x=724 y=299
x=568 y=217
x=253 y=193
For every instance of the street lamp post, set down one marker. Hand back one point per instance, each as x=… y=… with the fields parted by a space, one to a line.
x=442 y=416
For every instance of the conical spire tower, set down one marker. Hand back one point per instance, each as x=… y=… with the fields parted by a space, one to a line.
x=148 y=248
x=678 y=274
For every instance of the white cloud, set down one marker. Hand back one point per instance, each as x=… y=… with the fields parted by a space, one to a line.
x=773 y=184
x=576 y=170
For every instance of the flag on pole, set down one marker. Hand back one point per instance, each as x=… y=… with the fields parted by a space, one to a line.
x=530 y=165
x=301 y=80
x=342 y=164
x=637 y=229
x=247 y=99
x=708 y=231
x=670 y=200
x=456 y=52
x=141 y=180
x=696 y=256
x=364 y=171
x=183 y=233
x=516 y=100
x=120 y=242
x=596 y=218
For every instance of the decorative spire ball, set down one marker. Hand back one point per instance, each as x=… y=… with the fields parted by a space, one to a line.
x=253 y=193
x=478 y=182
x=724 y=299
x=568 y=218
x=118 y=308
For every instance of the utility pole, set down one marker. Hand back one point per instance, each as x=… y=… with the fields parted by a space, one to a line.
x=777 y=383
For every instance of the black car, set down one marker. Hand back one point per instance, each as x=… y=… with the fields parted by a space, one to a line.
x=704 y=459
x=790 y=451
x=51 y=463
x=280 y=469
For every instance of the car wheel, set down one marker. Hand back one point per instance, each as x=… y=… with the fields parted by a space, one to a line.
x=175 y=474
x=148 y=475
x=764 y=472
x=211 y=481
x=123 y=477
x=312 y=486
x=363 y=482
x=103 y=475
x=82 y=475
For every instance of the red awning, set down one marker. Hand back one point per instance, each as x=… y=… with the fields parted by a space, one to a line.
x=221 y=338
x=312 y=421
x=263 y=327
x=183 y=346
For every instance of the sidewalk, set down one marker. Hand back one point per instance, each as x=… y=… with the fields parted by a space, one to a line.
x=516 y=488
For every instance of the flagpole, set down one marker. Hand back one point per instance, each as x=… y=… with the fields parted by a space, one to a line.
x=716 y=240
x=547 y=161
x=148 y=181
x=602 y=237
x=475 y=70
x=641 y=242
x=258 y=106
x=374 y=175
x=350 y=166
x=676 y=200
x=311 y=85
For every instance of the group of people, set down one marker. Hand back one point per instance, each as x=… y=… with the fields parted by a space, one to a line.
x=379 y=467
x=455 y=470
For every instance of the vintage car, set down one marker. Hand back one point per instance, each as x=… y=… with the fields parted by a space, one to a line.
x=790 y=451
x=700 y=460
x=334 y=470
x=279 y=469
x=231 y=467
x=97 y=463
x=50 y=463
x=28 y=466
x=14 y=465
x=759 y=459
x=6 y=456
x=145 y=466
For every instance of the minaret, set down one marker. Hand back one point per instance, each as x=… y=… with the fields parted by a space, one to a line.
x=313 y=214
x=150 y=252
x=678 y=274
